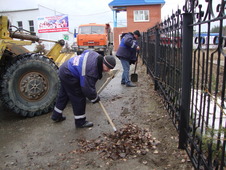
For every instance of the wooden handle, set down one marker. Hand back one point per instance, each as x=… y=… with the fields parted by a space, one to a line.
x=108 y=117
x=136 y=62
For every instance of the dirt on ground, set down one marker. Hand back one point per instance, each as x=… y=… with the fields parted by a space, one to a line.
x=144 y=129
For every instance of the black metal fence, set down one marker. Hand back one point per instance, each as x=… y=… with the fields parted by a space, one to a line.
x=186 y=56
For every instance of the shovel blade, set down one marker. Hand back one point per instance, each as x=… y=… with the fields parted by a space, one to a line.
x=134 y=77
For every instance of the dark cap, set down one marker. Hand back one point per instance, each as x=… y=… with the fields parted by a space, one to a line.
x=109 y=61
x=137 y=32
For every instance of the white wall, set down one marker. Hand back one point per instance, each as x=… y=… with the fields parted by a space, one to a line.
x=32 y=14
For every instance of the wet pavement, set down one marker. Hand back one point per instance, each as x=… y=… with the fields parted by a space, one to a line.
x=39 y=143
x=39 y=134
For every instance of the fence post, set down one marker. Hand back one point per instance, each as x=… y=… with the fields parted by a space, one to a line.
x=147 y=51
x=157 y=53
x=187 y=40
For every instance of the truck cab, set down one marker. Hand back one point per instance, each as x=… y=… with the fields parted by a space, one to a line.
x=97 y=37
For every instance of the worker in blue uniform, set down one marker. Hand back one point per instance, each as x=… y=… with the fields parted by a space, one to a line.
x=127 y=55
x=78 y=78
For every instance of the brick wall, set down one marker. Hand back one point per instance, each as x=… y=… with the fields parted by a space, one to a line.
x=117 y=33
x=155 y=17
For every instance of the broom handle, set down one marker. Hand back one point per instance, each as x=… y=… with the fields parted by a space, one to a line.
x=108 y=117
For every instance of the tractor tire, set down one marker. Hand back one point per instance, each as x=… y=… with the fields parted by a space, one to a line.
x=30 y=85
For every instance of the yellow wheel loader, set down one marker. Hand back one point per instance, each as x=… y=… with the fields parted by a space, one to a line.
x=29 y=81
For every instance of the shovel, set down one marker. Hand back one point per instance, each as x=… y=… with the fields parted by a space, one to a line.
x=134 y=76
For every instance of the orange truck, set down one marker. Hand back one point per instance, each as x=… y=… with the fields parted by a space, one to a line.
x=97 y=37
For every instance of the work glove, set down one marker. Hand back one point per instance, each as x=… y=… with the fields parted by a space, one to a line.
x=96 y=100
x=132 y=62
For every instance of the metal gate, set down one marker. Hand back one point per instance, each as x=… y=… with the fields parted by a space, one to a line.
x=186 y=56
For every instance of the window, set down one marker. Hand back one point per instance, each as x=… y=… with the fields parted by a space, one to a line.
x=31 y=27
x=98 y=30
x=91 y=30
x=84 y=30
x=141 y=15
x=20 y=25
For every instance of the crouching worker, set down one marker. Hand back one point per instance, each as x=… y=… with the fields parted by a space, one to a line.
x=78 y=78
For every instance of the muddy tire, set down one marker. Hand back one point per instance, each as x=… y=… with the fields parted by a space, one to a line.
x=30 y=85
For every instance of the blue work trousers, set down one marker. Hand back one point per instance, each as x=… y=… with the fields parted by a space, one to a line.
x=125 y=73
x=71 y=90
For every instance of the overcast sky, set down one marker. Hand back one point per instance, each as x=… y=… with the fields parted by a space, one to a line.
x=98 y=11
x=87 y=11
x=83 y=11
x=100 y=8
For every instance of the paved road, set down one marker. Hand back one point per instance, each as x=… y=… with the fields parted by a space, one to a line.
x=39 y=143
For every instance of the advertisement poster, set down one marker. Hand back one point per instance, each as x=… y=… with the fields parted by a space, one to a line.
x=58 y=23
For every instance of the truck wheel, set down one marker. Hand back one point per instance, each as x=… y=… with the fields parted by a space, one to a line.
x=30 y=85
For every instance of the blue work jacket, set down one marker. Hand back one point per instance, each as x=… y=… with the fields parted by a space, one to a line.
x=84 y=67
x=127 y=47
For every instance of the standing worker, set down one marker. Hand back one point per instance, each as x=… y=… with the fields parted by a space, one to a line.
x=78 y=78
x=127 y=55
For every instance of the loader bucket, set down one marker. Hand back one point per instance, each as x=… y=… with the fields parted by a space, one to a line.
x=63 y=57
x=55 y=50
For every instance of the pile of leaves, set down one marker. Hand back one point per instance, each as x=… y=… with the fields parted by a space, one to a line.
x=127 y=141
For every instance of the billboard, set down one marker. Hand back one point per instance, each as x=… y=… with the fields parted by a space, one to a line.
x=57 y=23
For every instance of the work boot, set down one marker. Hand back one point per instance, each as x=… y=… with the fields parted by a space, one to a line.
x=58 y=117
x=85 y=125
x=130 y=85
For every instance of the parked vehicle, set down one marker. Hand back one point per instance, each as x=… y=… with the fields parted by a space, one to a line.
x=29 y=81
x=97 y=37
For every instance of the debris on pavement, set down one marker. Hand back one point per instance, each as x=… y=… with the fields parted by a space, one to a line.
x=129 y=141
